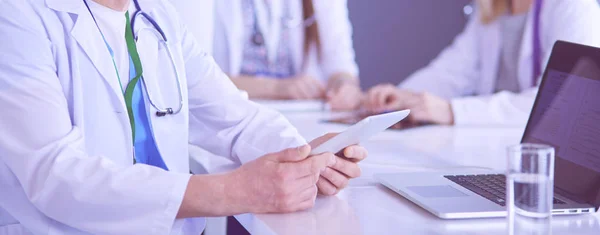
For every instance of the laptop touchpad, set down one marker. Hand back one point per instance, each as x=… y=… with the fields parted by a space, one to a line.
x=437 y=191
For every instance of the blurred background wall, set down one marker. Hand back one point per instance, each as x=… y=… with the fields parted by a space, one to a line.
x=393 y=38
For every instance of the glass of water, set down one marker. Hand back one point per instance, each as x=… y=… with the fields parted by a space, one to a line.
x=530 y=189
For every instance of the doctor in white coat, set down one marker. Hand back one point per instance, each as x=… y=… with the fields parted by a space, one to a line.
x=88 y=146
x=298 y=49
x=490 y=73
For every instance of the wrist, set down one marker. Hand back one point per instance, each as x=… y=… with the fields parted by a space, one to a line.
x=207 y=195
x=233 y=193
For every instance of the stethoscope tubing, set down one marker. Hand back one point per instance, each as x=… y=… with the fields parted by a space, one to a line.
x=160 y=34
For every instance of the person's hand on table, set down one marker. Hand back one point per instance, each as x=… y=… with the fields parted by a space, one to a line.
x=428 y=108
x=425 y=107
x=385 y=97
x=278 y=182
x=302 y=87
x=335 y=178
x=343 y=93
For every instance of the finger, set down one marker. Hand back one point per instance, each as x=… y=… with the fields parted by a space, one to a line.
x=355 y=153
x=293 y=154
x=312 y=165
x=382 y=98
x=339 y=180
x=326 y=187
x=346 y=167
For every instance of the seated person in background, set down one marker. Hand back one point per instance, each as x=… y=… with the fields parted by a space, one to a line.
x=490 y=74
x=282 y=49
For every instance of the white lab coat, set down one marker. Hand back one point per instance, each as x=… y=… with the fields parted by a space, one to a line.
x=335 y=32
x=470 y=65
x=198 y=15
x=65 y=140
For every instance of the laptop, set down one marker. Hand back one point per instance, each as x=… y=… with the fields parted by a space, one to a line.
x=565 y=115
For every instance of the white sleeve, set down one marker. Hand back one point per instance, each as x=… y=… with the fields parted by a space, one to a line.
x=335 y=34
x=46 y=153
x=454 y=71
x=560 y=20
x=225 y=123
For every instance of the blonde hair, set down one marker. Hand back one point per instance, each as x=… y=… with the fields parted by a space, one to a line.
x=490 y=10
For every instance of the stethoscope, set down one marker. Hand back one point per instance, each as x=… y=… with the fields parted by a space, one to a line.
x=288 y=22
x=537 y=48
x=162 y=37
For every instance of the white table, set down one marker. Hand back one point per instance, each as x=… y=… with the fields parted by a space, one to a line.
x=366 y=207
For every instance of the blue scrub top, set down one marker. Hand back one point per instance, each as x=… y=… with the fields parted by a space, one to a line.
x=146 y=151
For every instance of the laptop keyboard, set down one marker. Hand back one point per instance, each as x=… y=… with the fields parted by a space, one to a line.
x=492 y=187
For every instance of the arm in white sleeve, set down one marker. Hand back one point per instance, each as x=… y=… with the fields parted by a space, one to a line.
x=503 y=108
x=225 y=123
x=564 y=20
x=454 y=71
x=45 y=151
x=335 y=35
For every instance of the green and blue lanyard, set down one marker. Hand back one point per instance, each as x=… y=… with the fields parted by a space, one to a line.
x=145 y=149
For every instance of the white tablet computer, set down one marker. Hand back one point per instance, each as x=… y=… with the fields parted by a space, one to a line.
x=361 y=131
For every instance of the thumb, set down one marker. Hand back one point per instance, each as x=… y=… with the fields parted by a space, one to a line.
x=293 y=154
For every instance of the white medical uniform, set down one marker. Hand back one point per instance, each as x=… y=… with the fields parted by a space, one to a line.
x=65 y=140
x=467 y=71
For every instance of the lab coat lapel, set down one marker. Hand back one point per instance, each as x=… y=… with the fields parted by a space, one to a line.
x=525 y=66
x=91 y=42
x=232 y=21
x=490 y=53
x=148 y=47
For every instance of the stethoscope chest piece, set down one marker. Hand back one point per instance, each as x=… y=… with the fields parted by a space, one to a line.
x=164 y=113
x=258 y=39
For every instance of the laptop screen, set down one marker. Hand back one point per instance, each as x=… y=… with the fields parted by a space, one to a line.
x=566 y=115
